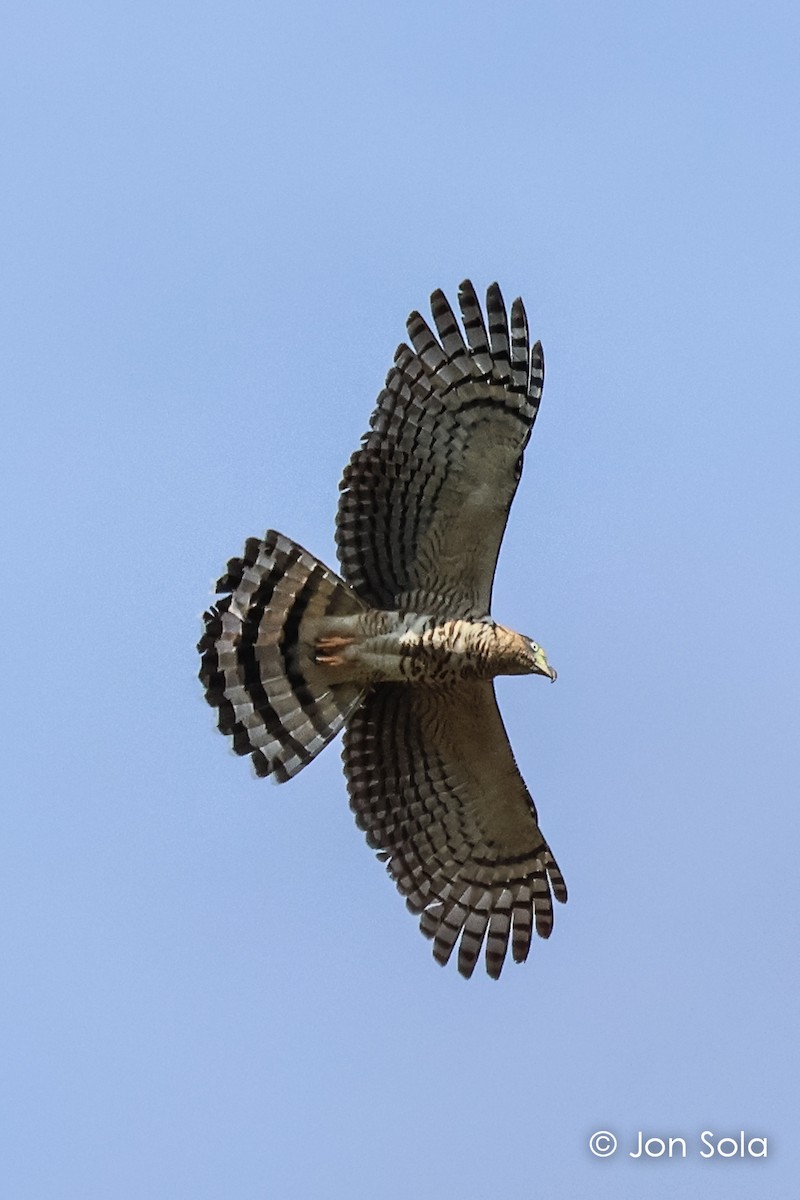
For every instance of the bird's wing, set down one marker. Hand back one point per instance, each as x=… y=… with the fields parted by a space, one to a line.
x=425 y=499
x=434 y=785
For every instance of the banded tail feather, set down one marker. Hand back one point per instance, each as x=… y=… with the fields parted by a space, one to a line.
x=257 y=652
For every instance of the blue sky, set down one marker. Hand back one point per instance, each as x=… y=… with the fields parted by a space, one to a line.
x=215 y=221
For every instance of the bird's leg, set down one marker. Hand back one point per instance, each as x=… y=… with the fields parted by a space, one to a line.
x=328 y=650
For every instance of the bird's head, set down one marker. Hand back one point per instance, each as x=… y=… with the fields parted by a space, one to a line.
x=538 y=661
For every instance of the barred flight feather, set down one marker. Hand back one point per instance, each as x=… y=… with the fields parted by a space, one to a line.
x=455 y=824
x=416 y=519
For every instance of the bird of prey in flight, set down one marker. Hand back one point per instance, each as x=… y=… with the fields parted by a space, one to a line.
x=401 y=649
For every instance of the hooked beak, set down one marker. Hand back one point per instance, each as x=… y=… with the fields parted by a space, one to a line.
x=542 y=667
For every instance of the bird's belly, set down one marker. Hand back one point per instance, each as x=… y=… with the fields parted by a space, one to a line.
x=407 y=647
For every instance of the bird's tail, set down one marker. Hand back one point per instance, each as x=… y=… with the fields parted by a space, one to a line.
x=258 y=665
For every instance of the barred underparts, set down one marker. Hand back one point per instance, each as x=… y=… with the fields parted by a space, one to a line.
x=401 y=650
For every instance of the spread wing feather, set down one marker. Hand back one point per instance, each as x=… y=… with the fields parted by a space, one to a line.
x=424 y=501
x=434 y=785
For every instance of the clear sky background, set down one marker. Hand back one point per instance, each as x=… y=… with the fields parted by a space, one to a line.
x=215 y=219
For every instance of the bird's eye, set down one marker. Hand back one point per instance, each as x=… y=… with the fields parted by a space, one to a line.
x=534 y=647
